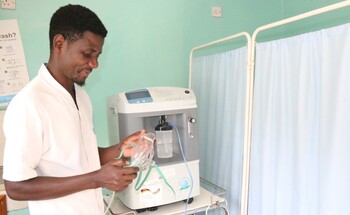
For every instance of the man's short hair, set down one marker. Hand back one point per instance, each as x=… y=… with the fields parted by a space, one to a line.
x=72 y=21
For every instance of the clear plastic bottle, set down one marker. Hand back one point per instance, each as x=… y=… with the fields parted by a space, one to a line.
x=164 y=139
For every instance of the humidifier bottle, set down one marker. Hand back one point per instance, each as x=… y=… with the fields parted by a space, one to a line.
x=164 y=139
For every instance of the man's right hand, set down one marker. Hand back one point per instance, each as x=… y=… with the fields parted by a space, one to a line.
x=115 y=175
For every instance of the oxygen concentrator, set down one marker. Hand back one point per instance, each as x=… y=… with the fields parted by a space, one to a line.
x=169 y=113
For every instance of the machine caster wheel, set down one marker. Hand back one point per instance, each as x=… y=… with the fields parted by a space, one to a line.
x=141 y=210
x=190 y=200
x=153 y=208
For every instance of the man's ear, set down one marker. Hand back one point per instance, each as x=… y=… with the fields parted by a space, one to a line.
x=58 y=41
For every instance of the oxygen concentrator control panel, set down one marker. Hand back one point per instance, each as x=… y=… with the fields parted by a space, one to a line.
x=138 y=96
x=155 y=99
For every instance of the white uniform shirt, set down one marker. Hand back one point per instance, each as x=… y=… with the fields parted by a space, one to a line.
x=46 y=135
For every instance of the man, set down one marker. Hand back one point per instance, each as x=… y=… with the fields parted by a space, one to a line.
x=51 y=156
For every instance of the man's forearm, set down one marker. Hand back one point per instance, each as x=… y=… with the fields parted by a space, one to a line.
x=42 y=188
x=108 y=154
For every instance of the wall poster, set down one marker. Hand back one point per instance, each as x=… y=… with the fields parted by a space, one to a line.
x=13 y=69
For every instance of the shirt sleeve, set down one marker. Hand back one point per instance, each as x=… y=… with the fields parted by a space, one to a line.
x=23 y=140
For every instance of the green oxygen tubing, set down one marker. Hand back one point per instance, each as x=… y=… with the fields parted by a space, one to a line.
x=142 y=157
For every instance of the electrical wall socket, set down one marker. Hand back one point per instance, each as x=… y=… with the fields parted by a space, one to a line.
x=8 y=4
x=216 y=11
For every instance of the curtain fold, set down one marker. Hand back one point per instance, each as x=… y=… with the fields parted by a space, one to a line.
x=219 y=82
x=300 y=157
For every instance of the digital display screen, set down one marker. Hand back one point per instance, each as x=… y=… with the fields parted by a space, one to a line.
x=137 y=95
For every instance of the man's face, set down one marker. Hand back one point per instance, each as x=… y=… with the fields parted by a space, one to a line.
x=79 y=58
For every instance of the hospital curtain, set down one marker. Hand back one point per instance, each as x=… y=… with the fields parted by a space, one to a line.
x=219 y=82
x=300 y=161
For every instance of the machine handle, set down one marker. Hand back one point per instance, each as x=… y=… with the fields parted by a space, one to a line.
x=190 y=128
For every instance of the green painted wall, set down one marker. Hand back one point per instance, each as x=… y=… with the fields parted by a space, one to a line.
x=149 y=41
x=19 y=212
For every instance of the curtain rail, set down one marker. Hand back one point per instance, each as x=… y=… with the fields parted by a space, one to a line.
x=298 y=17
x=244 y=34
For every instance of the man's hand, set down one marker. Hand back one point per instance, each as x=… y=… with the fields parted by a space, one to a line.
x=115 y=176
x=126 y=144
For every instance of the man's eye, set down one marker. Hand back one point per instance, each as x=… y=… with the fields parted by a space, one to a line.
x=87 y=55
